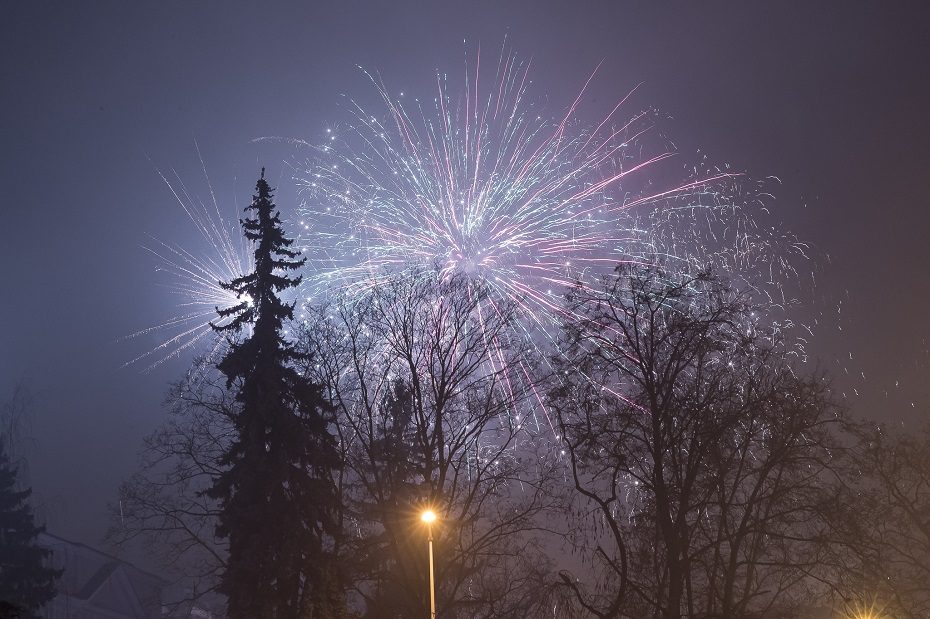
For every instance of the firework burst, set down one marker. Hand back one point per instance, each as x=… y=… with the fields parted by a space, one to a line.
x=193 y=277
x=483 y=182
x=488 y=185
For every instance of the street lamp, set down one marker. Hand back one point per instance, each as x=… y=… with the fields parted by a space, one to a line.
x=429 y=517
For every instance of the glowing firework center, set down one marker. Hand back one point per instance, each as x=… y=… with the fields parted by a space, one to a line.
x=481 y=185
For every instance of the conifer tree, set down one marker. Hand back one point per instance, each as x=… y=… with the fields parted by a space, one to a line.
x=27 y=582
x=277 y=496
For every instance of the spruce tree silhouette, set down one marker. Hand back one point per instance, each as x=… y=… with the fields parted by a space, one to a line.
x=27 y=582
x=277 y=496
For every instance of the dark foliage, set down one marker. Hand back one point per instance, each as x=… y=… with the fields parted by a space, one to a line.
x=27 y=582
x=276 y=495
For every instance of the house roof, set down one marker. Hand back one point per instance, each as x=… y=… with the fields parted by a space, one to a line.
x=96 y=580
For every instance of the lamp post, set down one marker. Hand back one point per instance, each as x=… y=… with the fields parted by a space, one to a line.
x=429 y=517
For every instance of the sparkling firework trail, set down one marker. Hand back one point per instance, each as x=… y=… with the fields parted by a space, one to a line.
x=485 y=184
x=193 y=277
x=489 y=186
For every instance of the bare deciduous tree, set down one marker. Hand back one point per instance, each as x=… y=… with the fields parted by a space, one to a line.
x=163 y=505
x=696 y=446
x=878 y=524
x=433 y=403
x=15 y=425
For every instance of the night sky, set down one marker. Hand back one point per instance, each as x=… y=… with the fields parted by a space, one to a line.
x=832 y=99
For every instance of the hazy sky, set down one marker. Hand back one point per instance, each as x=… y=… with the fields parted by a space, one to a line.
x=833 y=99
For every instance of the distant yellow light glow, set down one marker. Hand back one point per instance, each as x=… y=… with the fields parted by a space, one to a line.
x=864 y=610
x=429 y=516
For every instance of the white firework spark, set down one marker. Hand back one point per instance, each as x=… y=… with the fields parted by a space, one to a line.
x=193 y=277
